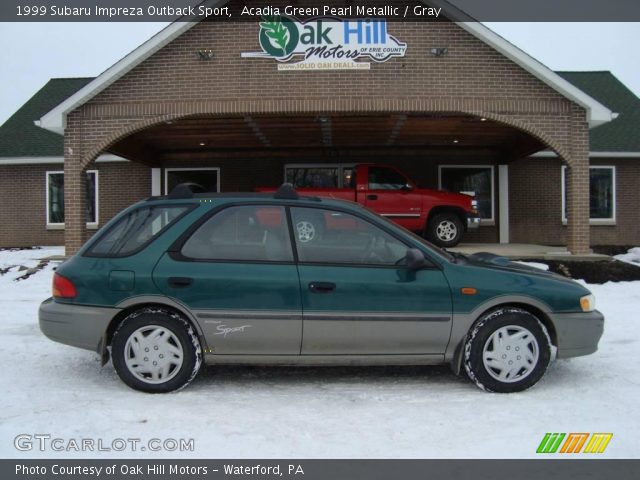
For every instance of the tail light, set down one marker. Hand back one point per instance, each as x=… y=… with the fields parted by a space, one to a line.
x=63 y=287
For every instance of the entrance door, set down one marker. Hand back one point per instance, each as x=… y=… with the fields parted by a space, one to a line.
x=358 y=298
x=236 y=274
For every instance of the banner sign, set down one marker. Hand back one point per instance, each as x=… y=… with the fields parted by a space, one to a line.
x=326 y=43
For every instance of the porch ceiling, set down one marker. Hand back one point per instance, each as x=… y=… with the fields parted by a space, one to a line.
x=251 y=133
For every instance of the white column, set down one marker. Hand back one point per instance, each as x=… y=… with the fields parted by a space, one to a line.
x=503 y=202
x=156 y=181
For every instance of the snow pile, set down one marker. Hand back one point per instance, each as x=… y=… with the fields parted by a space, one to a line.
x=248 y=412
x=632 y=256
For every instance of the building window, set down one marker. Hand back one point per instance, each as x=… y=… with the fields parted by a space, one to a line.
x=55 y=199
x=209 y=178
x=475 y=180
x=602 y=195
x=331 y=175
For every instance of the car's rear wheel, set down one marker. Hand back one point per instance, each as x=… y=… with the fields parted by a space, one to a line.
x=156 y=350
x=507 y=350
x=445 y=230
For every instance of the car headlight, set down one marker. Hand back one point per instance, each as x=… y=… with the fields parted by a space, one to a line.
x=588 y=303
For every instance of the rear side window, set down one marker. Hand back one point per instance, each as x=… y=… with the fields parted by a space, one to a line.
x=136 y=229
x=243 y=233
x=382 y=178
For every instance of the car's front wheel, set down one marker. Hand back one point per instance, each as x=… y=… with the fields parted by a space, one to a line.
x=155 y=350
x=507 y=350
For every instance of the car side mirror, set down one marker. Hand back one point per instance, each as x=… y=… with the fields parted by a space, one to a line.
x=406 y=188
x=416 y=259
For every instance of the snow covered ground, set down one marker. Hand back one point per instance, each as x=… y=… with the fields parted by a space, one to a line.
x=632 y=256
x=238 y=412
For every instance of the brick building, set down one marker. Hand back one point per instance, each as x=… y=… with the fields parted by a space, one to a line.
x=552 y=157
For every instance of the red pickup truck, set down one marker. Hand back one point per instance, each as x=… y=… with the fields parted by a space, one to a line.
x=441 y=217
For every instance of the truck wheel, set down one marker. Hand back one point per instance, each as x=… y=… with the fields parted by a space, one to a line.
x=309 y=230
x=155 y=350
x=445 y=230
x=507 y=350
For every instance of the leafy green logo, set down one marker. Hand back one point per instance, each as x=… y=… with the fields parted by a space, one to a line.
x=278 y=36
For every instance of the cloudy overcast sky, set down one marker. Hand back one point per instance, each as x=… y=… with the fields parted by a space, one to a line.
x=32 y=53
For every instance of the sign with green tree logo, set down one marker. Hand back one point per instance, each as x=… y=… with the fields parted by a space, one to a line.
x=326 y=43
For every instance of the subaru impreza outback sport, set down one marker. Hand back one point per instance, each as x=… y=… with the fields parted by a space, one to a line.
x=192 y=277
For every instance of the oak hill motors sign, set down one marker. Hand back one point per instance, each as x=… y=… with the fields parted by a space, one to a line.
x=326 y=43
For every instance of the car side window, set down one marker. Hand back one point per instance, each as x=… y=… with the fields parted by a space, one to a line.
x=328 y=236
x=243 y=233
x=383 y=178
x=136 y=229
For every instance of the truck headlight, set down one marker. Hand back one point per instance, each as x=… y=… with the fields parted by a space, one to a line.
x=588 y=303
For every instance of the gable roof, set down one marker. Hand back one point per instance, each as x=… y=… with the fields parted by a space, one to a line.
x=20 y=137
x=623 y=133
x=597 y=114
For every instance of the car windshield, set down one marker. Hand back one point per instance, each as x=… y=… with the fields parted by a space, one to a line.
x=448 y=256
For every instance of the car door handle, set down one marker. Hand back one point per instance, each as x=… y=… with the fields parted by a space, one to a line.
x=322 y=287
x=371 y=196
x=180 y=282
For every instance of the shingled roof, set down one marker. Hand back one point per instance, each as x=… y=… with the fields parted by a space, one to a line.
x=20 y=137
x=623 y=133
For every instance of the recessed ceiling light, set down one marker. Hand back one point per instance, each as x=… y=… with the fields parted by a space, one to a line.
x=202 y=144
x=456 y=141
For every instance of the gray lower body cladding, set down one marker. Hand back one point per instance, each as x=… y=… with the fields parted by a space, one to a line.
x=85 y=326
x=76 y=325
x=577 y=333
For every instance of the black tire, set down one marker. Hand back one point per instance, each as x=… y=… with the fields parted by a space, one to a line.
x=182 y=333
x=518 y=322
x=445 y=230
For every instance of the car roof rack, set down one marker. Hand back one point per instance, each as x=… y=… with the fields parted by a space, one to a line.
x=186 y=190
x=286 y=192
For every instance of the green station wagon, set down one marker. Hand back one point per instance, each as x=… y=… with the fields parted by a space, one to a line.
x=282 y=279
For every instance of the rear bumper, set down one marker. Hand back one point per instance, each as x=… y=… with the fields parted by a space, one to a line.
x=578 y=333
x=76 y=325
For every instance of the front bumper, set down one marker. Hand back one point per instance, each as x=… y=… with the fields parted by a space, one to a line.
x=578 y=333
x=76 y=325
x=473 y=222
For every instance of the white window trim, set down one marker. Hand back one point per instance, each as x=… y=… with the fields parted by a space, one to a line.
x=484 y=221
x=339 y=166
x=592 y=221
x=190 y=169
x=58 y=225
